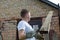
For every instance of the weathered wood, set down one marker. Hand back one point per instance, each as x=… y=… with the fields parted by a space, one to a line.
x=7 y=19
x=47 y=23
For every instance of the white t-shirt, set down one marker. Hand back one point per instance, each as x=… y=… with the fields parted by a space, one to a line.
x=26 y=27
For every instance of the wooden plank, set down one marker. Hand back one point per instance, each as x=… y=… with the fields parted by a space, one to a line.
x=7 y=19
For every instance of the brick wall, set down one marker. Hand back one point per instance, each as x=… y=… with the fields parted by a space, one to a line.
x=13 y=7
x=9 y=31
x=55 y=26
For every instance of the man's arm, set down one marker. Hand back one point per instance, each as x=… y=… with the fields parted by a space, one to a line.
x=22 y=34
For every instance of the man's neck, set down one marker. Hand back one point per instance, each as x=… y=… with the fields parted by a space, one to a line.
x=25 y=19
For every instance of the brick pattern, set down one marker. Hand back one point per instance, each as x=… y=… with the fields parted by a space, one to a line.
x=13 y=7
x=56 y=27
x=55 y=24
x=9 y=32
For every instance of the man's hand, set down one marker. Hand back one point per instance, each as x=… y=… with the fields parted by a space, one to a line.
x=38 y=36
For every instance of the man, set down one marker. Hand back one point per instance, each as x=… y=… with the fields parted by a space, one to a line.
x=25 y=30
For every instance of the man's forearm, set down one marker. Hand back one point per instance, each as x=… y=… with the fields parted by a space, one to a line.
x=22 y=34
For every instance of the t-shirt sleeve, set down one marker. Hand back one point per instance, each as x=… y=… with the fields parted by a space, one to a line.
x=21 y=26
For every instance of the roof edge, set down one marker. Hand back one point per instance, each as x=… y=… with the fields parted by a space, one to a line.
x=50 y=4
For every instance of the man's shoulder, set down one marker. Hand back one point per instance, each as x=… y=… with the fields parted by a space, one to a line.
x=22 y=22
